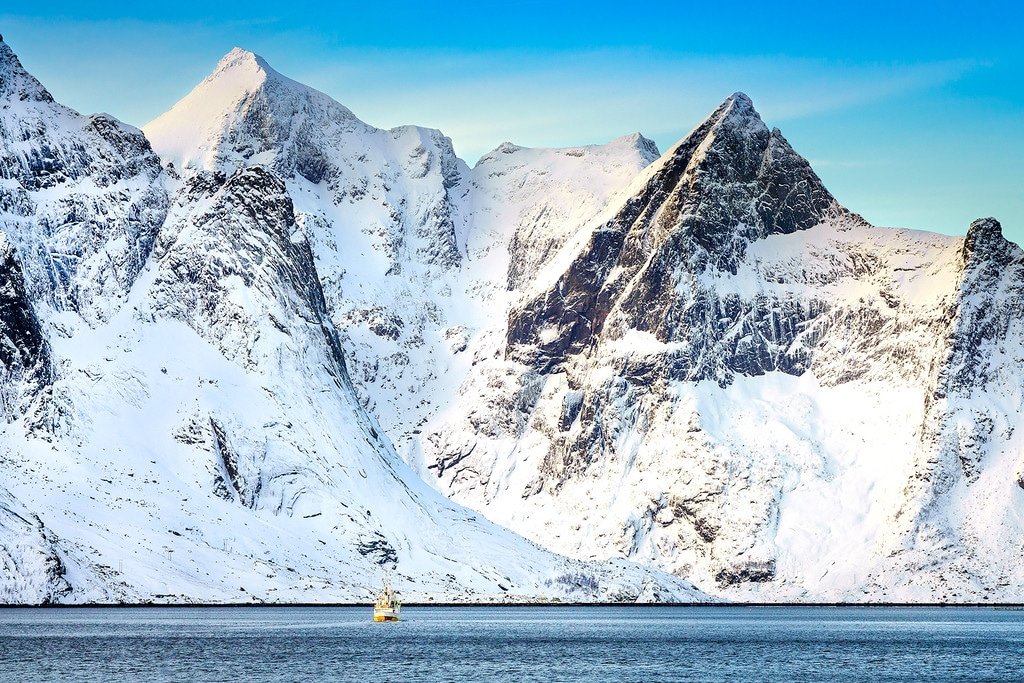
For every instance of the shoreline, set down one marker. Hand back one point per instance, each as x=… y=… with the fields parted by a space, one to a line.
x=1009 y=606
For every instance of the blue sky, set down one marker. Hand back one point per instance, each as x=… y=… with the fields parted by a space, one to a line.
x=912 y=113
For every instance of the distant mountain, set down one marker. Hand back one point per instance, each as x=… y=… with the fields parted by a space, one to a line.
x=233 y=362
x=179 y=420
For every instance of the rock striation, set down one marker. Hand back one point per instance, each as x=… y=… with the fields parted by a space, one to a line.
x=254 y=351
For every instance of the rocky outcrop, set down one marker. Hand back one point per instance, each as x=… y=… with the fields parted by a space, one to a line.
x=212 y=446
x=679 y=375
x=972 y=382
x=244 y=236
x=24 y=353
x=83 y=197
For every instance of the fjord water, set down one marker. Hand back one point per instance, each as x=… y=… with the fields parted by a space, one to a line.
x=512 y=644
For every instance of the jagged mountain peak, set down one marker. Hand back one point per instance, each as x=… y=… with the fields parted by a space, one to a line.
x=735 y=117
x=731 y=181
x=740 y=99
x=245 y=112
x=738 y=111
x=17 y=83
x=983 y=235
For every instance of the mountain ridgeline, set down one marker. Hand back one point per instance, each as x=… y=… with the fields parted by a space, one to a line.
x=261 y=350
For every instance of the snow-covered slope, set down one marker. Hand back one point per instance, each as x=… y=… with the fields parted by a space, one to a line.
x=222 y=376
x=413 y=249
x=731 y=377
x=375 y=205
x=204 y=440
x=81 y=197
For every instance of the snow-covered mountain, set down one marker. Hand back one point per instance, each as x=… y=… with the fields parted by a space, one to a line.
x=412 y=247
x=730 y=376
x=179 y=421
x=247 y=362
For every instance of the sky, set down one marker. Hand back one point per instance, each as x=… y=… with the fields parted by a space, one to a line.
x=912 y=113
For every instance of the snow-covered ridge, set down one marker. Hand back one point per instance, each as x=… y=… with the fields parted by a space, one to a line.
x=732 y=377
x=200 y=439
x=698 y=361
x=81 y=197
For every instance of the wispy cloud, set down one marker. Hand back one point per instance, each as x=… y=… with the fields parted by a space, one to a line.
x=533 y=97
x=481 y=100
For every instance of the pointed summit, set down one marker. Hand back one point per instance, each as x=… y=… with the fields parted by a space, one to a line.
x=729 y=182
x=735 y=116
x=244 y=113
x=242 y=58
x=738 y=111
x=741 y=99
x=732 y=177
x=985 y=243
x=16 y=82
x=241 y=71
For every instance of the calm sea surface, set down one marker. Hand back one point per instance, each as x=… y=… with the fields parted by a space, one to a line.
x=546 y=644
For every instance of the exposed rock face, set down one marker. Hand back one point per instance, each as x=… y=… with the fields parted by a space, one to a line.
x=207 y=443
x=698 y=361
x=24 y=353
x=82 y=199
x=730 y=365
x=245 y=235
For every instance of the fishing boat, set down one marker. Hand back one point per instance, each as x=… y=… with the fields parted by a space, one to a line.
x=387 y=607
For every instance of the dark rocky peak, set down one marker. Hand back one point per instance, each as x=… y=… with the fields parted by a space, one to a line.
x=722 y=139
x=728 y=139
x=985 y=243
x=729 y=182
x=732 y=181
x=15 y=82
x=24 y=353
